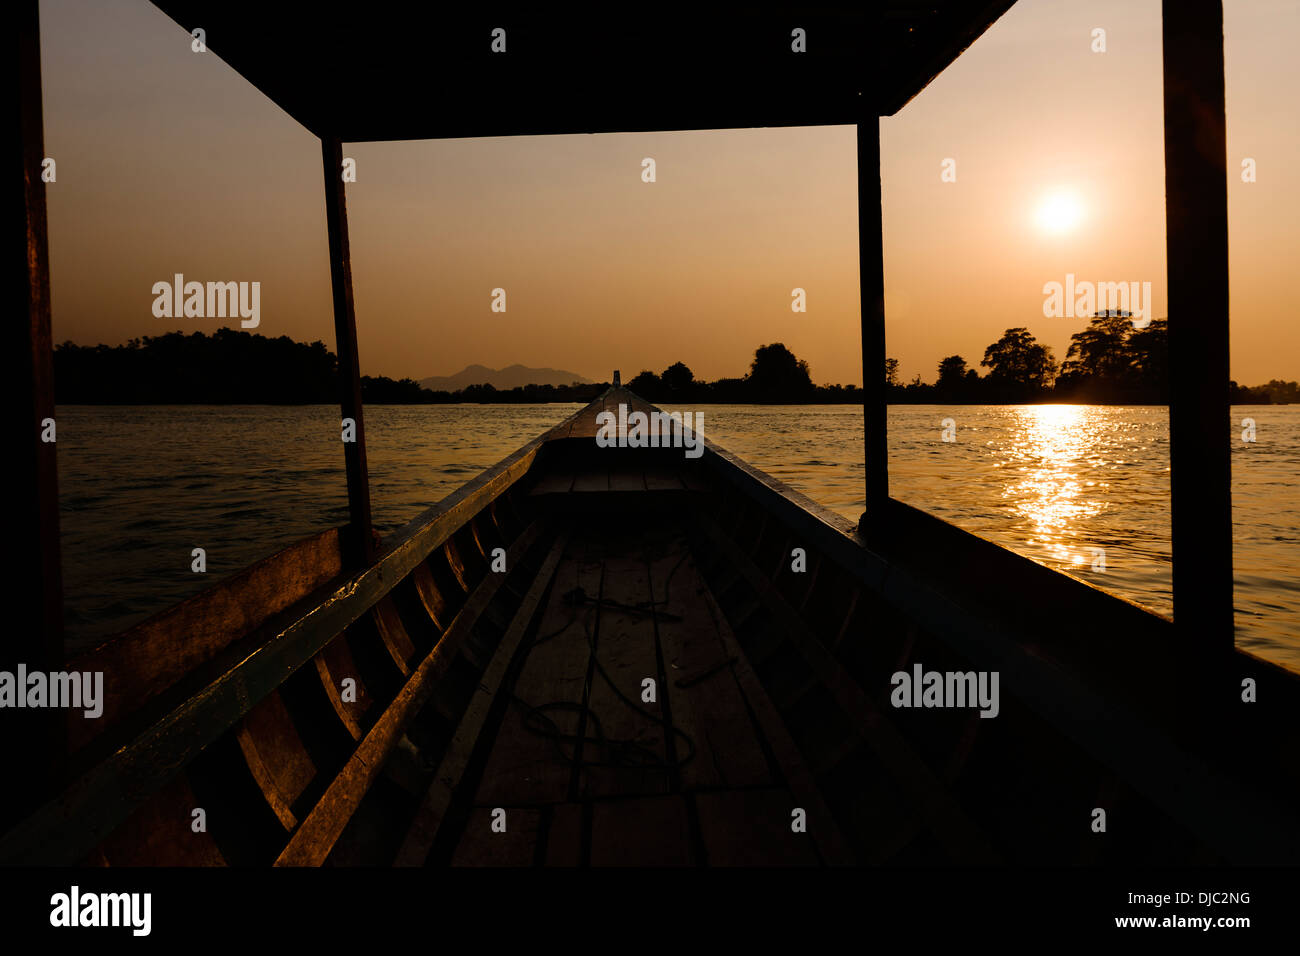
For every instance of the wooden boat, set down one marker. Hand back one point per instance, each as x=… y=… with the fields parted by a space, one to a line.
x=432 y=710
x=475 y=691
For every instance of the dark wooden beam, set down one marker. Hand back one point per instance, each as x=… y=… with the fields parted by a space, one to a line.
x=358 y=542
x=1196 y=226
x=33 y=739
x=871 y=275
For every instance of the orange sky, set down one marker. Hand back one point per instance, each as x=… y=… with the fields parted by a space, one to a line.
x=170 y=162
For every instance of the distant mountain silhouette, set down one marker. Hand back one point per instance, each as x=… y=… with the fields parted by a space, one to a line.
x=513 y=376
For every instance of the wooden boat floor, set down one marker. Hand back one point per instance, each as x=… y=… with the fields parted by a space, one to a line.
x=625 y=733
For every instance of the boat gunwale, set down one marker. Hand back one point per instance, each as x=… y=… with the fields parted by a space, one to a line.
x=838 y=534
x=279 y=650
x=408 y=531
x=1097 y=719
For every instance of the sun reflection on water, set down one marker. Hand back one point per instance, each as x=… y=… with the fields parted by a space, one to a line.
x=1049 y=447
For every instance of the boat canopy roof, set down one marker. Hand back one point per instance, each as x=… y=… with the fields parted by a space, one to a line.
x=390 y=71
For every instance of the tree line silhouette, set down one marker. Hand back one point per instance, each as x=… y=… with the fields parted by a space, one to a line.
x=231 y=367
x=1108 y=362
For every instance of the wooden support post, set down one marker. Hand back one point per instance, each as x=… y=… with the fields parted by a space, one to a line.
x=871 y=274
x=358 y=543
x=1196 y=224
x=33 y=741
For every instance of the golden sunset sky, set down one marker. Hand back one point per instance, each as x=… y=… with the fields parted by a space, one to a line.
x=168 y=161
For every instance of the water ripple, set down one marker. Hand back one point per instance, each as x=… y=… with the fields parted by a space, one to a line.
x=141 y=487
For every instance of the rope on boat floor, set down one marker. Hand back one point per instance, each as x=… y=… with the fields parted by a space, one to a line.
x=615 y=752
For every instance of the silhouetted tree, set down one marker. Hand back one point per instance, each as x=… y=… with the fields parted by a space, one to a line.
x=1282 y=393
x=1019 y=366
x=483 y=394
x=776 y=375
x=225 y=367
x=1110 y=360
x=1099 y=352
x=956 y=382
x=952 y=372
x=678 y=381
x=646 y=384
x=384 y=391
x=1150 y=365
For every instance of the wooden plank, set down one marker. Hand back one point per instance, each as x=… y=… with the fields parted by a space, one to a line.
x=315 y=837
x=627 y=479
x=276 y=756
x=436 y=604
x=645 y=831
x=848 y=619
x=524 y=767
x=564 y=837
x=693 y=479
x=798 y=778
x=146 y=659
x=455 y=561
x=332 y=673
x=662 y=479
x=480 y=845
x=388 y=623
x=428 y=819
x=160 y=832
x=625 y=656
x=591 y=480
x=752 y=828
x=583 y=424
x=553 y=483
x=942 y=811
x=706 y=702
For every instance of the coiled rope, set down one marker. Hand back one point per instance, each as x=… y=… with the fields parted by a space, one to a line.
x=611 y=751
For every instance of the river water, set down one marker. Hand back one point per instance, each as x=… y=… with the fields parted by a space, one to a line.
x=1071 y=486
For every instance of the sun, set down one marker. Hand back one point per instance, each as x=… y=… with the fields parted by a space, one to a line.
x=1059 y=212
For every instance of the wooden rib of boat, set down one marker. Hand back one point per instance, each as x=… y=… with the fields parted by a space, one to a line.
x=434 y=708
